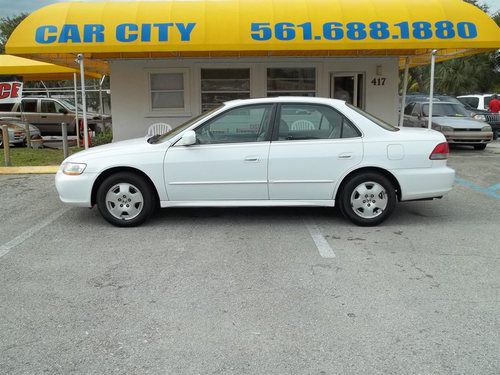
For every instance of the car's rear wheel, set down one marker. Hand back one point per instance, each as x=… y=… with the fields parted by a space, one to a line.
x=480 y=147
x=125 y=199
x=368 y=199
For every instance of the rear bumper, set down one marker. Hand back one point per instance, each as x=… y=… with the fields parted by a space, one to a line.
x=75 y=190
x=424 y=183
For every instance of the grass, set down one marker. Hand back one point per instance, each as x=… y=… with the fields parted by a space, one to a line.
x=22 y=156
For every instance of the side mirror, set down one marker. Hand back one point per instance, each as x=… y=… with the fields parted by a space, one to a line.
x=64 y=111
x=188 y=138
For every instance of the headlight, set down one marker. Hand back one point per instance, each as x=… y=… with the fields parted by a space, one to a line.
x=73 y=169
x=486 y=128
x=480 y=117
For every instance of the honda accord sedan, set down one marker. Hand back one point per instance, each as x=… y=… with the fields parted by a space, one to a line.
x=291 y=151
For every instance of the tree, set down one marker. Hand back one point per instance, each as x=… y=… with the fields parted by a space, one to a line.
x=7 y=26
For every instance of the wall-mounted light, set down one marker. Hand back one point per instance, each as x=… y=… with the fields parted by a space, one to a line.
x=379 y=70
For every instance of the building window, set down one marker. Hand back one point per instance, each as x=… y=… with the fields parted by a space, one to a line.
x=168 y=91
x=291 y=82
x=222 y=85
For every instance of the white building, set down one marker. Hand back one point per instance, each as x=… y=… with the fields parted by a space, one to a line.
x=171 y=60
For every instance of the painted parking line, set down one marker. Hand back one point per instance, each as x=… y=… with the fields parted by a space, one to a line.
x=320 y=241
x=490 y=191
x=5 y=248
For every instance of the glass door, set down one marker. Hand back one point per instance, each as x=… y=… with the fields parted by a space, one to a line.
x=348 y=87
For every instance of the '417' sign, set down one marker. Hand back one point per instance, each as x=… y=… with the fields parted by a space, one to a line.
x=11 y=92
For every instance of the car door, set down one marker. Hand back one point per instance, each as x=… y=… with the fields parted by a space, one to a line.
x=313 y=146
x=51 y=117
x=29 y=111
x=229 y=160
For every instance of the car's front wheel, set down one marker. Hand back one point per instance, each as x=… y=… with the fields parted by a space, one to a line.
x=125 y=199
x=368 y=199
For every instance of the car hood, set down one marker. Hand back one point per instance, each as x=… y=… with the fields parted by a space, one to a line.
x=458 y=122
x=128 y=147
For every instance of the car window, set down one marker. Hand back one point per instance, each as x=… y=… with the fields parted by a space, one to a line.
x=471 y=101
x=310 y=121
x=237 y=125
x=416 y=111
x=6 y=107
x=48 y=106
x=409 y=108
x=445 y=110
x=29 y=105
x=487 y=100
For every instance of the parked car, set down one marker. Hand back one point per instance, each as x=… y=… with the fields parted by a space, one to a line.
x=452 y=120
x=17 y=131
x=48 y=114
x=292 y=151
x=477 y=101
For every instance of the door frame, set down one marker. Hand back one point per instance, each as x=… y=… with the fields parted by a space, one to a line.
x=354 y=74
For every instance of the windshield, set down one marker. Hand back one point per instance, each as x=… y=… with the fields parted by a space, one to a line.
x=70 y=104
x=185 y=125
x=376 y=120
x=445 y=110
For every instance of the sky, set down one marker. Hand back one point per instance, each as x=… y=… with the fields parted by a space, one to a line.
x=12 y=7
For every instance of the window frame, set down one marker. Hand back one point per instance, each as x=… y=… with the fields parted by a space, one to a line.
x=201 y=92
x=286 y=66
x=277 y=119
x=270 y=129
x=167 y=112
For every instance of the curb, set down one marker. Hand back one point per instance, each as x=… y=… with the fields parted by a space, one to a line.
x=49 y=169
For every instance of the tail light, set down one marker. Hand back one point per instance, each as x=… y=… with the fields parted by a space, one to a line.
x=440 y=152
x=18 y=134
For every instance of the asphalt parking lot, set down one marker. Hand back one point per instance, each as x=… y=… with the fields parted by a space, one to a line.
x=253 y=291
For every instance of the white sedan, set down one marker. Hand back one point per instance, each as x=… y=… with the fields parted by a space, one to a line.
x=291 y=151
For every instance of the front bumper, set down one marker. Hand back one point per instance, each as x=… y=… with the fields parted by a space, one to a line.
x=468 y=137
x=75 y=190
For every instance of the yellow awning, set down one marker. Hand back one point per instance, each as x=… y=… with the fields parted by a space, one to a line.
x=220 y=28
x=32 y=70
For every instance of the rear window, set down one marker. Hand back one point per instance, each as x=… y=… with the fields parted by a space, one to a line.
x=384 y=125
x=471 y=101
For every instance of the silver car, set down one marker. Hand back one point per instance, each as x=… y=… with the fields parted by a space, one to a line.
x=17 y=131
x=452 y=120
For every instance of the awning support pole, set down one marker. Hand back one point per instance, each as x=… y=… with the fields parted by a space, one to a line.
x=431 y=93
x=101 y=107
x=79 y=59
x=77 y=123
x=405 y=89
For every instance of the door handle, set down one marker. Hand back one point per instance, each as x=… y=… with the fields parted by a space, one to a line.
x=252 y=159
x=345 y=155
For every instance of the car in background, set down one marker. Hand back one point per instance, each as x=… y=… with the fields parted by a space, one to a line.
x=17 y=131
x=287 y=151
x=452 y=120
x=48 y=113
x=477 y=101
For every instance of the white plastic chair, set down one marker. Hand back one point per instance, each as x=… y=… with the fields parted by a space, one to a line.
x=300 y=125
x=158 y=129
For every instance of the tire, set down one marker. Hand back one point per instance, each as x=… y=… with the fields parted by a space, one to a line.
x=480 y=147
x=364 y=212
x=125 y=188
